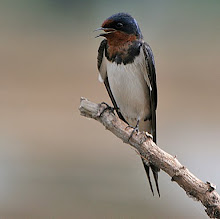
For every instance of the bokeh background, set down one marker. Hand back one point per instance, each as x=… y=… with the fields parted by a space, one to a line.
x=55 y=163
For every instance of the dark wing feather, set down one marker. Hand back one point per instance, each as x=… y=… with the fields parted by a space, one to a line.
x=153 y=91
x=101 y=51
x=150 y=65
x=113 y=100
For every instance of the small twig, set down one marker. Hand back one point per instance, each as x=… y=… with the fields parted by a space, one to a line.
x=194 y=187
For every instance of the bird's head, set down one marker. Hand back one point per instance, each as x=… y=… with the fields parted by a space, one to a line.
x=120 y=26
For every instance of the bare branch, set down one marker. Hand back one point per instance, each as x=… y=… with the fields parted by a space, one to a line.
x=194 y=187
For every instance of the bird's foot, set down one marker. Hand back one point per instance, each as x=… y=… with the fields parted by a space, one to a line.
x=135 y=129
x=111 y=109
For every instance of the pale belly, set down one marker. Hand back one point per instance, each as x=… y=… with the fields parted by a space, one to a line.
x=131 y=92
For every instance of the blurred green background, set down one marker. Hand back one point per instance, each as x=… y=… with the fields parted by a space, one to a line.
x=55 y=163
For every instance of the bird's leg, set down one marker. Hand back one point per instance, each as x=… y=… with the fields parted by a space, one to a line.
x=135 y=129
x=112 y=109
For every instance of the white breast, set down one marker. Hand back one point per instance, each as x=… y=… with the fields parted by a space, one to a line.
x=130 y=89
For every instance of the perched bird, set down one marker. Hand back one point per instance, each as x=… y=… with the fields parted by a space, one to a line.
x=126 y=66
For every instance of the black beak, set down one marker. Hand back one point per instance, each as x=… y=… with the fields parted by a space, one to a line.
x=107 y=31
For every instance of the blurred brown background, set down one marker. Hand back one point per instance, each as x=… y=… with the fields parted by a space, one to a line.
x=55 y=163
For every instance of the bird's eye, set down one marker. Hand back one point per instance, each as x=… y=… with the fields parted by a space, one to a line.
x=119 y=25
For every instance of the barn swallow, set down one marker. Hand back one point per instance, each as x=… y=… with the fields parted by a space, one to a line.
x=126 y=66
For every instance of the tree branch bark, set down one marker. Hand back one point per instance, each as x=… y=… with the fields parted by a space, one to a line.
x=194 y=187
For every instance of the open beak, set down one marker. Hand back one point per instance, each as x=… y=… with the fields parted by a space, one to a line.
x=106 y=31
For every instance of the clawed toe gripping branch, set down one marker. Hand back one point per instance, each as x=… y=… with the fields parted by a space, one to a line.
x=204 y=192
